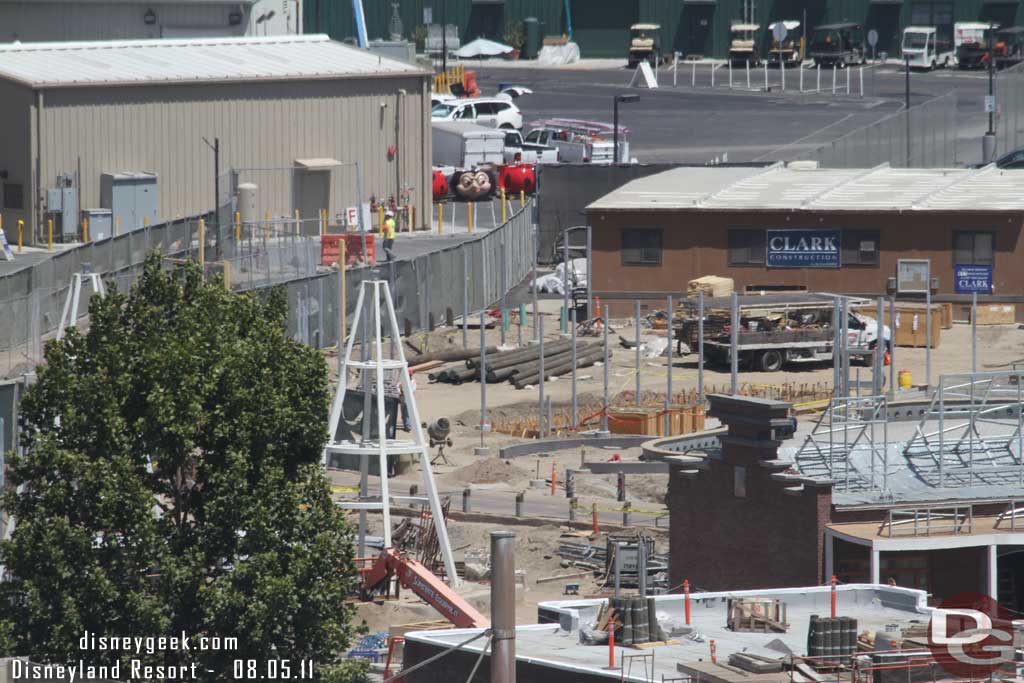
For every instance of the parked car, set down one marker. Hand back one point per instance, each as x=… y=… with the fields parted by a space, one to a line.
x=518 y=151
x=789 y=52
x=497 y=112
x=743 y=46
x=924 y=48
x=1009 y=161
x=838 y=45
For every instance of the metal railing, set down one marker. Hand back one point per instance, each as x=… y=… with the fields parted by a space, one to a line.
x=1011 y=514
x=929 y=521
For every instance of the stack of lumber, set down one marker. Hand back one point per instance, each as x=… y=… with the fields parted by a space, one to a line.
x=711 y=285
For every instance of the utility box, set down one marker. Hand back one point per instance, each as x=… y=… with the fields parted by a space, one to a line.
x=62 y=207
x=132 y=198
x=100 y=223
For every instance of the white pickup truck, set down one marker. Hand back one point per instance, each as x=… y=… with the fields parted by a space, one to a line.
x=519 y=151
x=580 y=141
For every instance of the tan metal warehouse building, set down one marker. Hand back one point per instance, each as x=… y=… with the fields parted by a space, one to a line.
x=293 y=115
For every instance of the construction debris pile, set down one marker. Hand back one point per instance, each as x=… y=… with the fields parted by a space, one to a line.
x=602 y=561
x=522 y=367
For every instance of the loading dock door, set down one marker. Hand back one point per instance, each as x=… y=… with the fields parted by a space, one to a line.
x=601 y=27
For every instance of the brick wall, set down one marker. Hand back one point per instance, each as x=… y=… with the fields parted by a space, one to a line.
x=770 y=537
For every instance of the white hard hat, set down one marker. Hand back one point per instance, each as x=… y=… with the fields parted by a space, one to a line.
x=389 y=212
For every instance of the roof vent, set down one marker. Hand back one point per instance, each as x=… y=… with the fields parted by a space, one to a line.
x=802 y=165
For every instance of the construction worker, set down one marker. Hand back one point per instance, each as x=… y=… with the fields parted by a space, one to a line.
x=389 y=233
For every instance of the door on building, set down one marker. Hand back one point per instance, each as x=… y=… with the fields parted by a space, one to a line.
x=885 y=19
x=486 y=20
x=312 y=193
x=937 y=13
x=1010 y=577
x=601 y=27
x=697 y=22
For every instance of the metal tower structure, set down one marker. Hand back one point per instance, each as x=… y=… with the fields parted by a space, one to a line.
x=374 y=320
x=70 y=314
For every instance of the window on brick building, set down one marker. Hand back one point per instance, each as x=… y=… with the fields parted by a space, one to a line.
x=746 y=247
x=976 y=248
x=860 y=248
x=641 y=247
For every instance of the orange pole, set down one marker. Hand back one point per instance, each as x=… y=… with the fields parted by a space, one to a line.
x=593 y=514
x=611 y=644
x=714 y=656
x=686 y=599
x=833 y=596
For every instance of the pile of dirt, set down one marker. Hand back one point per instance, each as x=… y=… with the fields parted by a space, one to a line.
x=491 y=470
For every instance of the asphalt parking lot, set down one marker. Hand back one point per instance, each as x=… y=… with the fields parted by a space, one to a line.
x=700 y=124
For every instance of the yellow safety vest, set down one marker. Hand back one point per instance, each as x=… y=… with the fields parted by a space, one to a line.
x=389 y=229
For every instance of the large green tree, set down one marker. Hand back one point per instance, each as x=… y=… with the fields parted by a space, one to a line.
x=170 y=483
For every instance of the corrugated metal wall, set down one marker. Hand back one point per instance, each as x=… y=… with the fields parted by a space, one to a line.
x=700 y=28
x=15 y=152
x=260 y=125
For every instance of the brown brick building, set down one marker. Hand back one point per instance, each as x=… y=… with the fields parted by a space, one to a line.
x=654 y=234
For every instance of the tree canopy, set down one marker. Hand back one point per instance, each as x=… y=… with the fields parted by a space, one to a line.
x=170 y=484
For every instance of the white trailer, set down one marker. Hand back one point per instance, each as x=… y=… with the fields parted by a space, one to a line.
x=467 y=145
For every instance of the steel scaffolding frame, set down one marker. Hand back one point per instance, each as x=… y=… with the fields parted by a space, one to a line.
x=372 y=368
x=979 y=438
x=849 y=426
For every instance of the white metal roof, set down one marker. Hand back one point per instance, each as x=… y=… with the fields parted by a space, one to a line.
x=799 y=189
x=195 y=60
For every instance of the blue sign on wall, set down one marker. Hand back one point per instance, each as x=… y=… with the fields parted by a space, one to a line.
x=803 y=249
x=973 y=279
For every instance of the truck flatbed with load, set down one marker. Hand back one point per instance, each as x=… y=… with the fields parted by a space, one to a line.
x=775 y=329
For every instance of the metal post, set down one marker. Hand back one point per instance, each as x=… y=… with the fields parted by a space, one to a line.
x=734 y=335
x=465 y=297
x=881 y=348
x=748 y=74
x=766 y=75
x=590 y=277
x=641 y=566
x=534 y=238
x=503 y=607
x=730 y=74
x=668 y=370
x=615 y=130
x=928 y=327
x=504 y=288
x=700 y=347
x=974 y=334
x=892 y=346
x=540 y=384
x=483 y=380
x=837 y=327
x=565 y=273
x=604 y=404
x=833 y=79
x=818 y=67
x=845 y=345
x=636 y=315
x=906 y=105
x=572 y=333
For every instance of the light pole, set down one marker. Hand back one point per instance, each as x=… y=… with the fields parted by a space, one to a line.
x=906 y=61
x=615 y=122
x=215 y=147
x=988 y=147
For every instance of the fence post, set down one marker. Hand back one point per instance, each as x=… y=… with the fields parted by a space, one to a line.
x=833 y=79
x=818 y=67
x=85 y=229
x=202 y=248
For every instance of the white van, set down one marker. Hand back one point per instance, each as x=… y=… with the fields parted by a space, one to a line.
x=925 y=48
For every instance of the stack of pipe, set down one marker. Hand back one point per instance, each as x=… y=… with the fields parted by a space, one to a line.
x=522 y=366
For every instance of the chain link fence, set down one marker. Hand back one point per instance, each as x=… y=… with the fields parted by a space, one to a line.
x=923 y=136
x=1009 y=91
x=427 y=289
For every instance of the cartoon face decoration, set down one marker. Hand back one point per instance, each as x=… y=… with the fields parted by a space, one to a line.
x=440 y=184
x=472 y=185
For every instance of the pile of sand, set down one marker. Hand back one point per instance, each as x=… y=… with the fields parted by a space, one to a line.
x=491 y=470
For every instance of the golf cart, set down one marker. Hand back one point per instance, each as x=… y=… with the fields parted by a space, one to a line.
x=838 y=45
x=971 y=42
x=789 y=53
x=1009 y=47
x=644 y=44
x=743 y=47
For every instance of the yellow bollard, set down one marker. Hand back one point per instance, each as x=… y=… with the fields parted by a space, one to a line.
x=440 y=218
x=117 y=225
x=238 y=226
x=380 y=220
x=412 y=216
x=522 y=199
x=469 y=215
x=323 y=222
x=145 y=221
x=49 y=230
x=85 y=229
x=21 y=228
x=298 y=223
x=504 y=208
x=266 y=222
